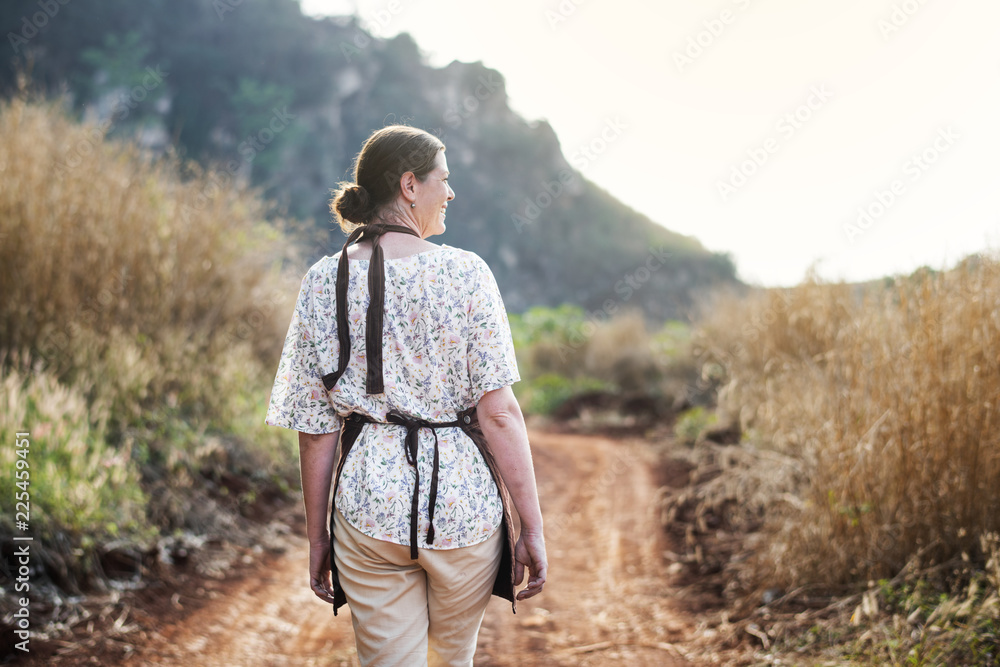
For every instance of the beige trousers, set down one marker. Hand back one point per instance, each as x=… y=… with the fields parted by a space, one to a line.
x=409 y=613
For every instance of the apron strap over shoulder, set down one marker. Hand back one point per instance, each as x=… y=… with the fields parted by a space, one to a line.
x=376 y=306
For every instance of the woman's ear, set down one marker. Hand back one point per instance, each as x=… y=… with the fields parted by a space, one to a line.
x=407 y=184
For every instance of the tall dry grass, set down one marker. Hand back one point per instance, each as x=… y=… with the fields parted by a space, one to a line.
x=883 y=401
x=98 y=236
x=144 y=305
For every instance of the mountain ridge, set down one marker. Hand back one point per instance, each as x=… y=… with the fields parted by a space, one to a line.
x=551 y=235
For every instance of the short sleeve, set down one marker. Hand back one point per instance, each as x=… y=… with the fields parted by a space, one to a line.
x=299 y=400
x=492 y=363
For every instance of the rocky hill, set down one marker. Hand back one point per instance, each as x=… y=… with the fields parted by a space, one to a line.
x=283 y=100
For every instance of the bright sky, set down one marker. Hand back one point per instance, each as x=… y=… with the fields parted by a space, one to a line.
x=758 y=126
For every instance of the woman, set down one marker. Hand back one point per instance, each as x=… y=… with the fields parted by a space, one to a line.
x=400 y=351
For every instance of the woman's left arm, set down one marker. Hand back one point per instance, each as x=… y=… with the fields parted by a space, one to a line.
x=317 y=458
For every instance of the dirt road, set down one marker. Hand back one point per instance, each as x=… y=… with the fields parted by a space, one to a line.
x=607 y=600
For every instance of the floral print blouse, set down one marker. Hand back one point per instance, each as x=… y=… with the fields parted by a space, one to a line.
x=446 y=342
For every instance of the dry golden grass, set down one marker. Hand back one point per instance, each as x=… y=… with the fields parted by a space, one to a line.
x=149 y=294
x=883 y=400
x=621 y=351
x=99 y=237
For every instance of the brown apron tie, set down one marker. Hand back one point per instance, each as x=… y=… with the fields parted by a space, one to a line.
x=413 y=426
x=376 y=307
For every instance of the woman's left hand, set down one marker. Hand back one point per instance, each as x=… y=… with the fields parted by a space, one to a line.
x=320 y=579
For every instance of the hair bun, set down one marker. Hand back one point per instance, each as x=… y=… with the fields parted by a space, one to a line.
x=353 y=203
x=387 y=154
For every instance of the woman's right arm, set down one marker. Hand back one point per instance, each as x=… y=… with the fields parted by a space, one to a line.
x=317 y=461
x=503 y=425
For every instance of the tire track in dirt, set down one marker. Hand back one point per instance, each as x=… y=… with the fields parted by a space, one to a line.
x=607 y=600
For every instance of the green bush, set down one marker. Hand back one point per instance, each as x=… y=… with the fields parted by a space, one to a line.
x=561 y=353
x=76 y=481
x=547 y=392
x=692 y=423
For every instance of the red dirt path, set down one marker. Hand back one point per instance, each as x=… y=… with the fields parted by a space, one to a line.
x=607 y=601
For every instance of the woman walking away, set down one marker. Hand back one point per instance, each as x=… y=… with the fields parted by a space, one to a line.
x=397 y=373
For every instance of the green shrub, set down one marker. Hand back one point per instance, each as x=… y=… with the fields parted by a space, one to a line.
x=561 y=353
x=547 y=392
x=77 y=481
x=692 y=423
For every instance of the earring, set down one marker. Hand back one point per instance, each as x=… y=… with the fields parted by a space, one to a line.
x=413 y=204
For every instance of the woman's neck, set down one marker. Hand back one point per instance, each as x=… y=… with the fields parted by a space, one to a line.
x=394 y=246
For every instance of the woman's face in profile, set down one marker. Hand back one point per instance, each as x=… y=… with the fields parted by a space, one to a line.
x=435 y=193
